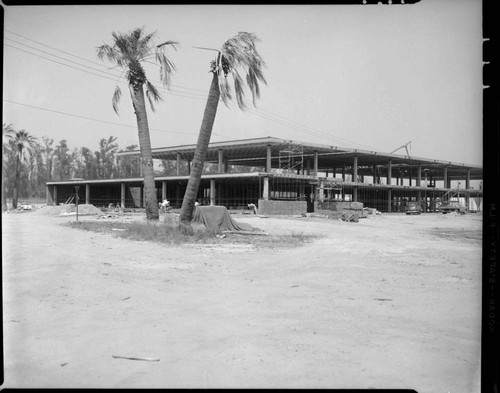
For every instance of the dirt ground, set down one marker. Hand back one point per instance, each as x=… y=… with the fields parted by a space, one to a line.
x=390 y=302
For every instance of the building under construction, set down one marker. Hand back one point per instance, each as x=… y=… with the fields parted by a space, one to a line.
x=284 y=176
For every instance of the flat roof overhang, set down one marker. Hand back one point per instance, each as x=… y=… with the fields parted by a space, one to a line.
x=253 y=152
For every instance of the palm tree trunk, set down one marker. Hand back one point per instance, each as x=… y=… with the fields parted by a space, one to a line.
x=200 y=153
x=4 y=190
x=17 y=180
x=146 y=155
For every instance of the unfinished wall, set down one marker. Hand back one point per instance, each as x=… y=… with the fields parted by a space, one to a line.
x=282 y=207
x=337 y=206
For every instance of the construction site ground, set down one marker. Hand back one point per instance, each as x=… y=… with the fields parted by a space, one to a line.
x=392 y=301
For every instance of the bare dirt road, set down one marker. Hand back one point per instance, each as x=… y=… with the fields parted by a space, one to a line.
x=389 y=302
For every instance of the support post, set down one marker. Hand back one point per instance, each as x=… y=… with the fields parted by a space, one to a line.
x=355 y=170
x=265 y=190
x=87 y=194
x=419 y=175
x=389 y=200
x=122 y=196
x=315 y=163
x=178 y=164
x=321 y=191
x=268 y=159
x=220 y=161
x=163 y=190
x=389 y=173
x=55 y=196
x=355 y=193
x=467 y=180
x=445 y=177
x=308 y=166
x=212 y=192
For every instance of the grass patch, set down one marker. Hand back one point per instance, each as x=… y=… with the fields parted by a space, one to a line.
x=170 y=233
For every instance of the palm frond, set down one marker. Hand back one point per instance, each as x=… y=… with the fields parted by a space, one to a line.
x=239 y=90
x=225 y=89
x=152 y=94
x=116 y=98
x=166 y=66
x=239 y=53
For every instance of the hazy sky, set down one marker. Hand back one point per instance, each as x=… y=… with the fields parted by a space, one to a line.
x=371 y=77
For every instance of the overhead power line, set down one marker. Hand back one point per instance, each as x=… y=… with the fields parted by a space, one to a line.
x=102 y=121
x=277 y=119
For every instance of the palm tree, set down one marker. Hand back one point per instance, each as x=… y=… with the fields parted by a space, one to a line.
x=23 y=143
x=129 y=51
x=237 y=54
x=7 y=135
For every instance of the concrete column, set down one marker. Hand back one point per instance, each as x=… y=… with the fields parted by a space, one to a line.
x=163 y=190
x=315 y=163
x=122 y=196
x=343 y=172
x=355 y=169
x=87 y=194
x=445 y=177
x=389 y=173
x=212 y=192
x=55 y=196
x=467 y=180
x=178 y=165
x=355 y=194
x=221 y=160
x=265 y=191
x=268 y=159
x=226 y=165
x=142 y=197
x=389 y=200
x=419 y=196
x=321 y=191
x=50 y=195
x=308 y=166
x=189 y=167
x=374 y=170
x=419 y=175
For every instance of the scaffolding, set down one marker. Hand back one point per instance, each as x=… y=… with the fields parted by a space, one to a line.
x=291 y=157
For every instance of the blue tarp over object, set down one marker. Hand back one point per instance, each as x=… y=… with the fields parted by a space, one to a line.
x=218 y=218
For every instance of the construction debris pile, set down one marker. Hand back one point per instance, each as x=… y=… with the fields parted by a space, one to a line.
x=69 y=209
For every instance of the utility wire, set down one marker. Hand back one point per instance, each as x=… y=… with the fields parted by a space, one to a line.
x=278 y=119
x=104 y=121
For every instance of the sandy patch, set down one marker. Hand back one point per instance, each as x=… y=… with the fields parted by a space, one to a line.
x=384 y=303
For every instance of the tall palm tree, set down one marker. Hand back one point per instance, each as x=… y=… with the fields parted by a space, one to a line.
x=129 y=51
x=7 y=135
x=23 y=143
x=238 y=54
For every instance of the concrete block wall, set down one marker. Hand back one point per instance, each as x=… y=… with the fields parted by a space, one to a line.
x=337 y=206
x=282 y=207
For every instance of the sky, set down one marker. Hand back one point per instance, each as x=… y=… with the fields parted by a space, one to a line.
x=371 y=77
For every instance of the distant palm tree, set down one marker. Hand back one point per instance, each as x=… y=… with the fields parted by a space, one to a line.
x=129 y=51
x=7 y=135
x=238 y=54
x=23 y=143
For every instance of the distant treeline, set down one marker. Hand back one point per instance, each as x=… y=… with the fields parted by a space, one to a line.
x=28 y=163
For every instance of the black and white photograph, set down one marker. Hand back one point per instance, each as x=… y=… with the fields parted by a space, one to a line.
x=219 y=196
